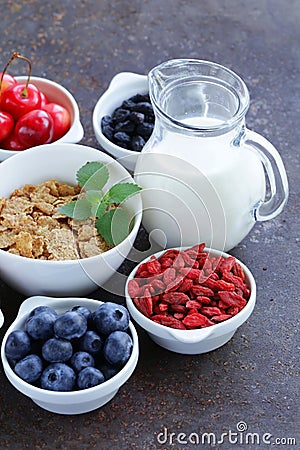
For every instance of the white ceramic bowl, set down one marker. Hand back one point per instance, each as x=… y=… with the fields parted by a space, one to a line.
x=62 y=278
x=123 y=86
x=193 y=341
x=1 y=319
x=76 y=402
x=58 y=94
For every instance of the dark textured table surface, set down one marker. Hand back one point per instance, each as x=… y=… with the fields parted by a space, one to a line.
x=254 y=378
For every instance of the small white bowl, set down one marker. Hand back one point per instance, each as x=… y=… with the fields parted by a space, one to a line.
x=61 y=161
x=75 y=402
x=55 y=93
x=123 y=86
x=1 y=319
x=199 y=340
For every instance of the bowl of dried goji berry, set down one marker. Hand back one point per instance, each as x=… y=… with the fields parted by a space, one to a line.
x=190 y=300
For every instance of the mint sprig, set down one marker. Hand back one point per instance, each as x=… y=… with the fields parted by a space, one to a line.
x=112 y=220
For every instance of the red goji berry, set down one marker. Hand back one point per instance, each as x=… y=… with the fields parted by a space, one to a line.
x=171 y=253
x=133 y=288
x=226 y=264
x=233 y=310
x=168 y=321
x=179 y=262
x=211 y=311
x=196 y=320
x=178 y=308
x=238 y=271
x=176 y=298
x=144 y=305
x=219 y=285
x=178 y=316
x=202 y=257
x=161 y=307
x=173 y=285
x=232 y=299
x=169 y=275
x=189 y=262
x=186 y=285
x=220 y=318
x=204 y=300
x=166 y=263
x=158 y=285
x=190 y=273
x=202 y=290
x=193 y=304
x=153 y=265
x=237 y=281
x=143 y=274
x=195 y=251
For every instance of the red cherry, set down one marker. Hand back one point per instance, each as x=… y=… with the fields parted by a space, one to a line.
x=44 y=100
x=7 y=81
x=6 y=125
x=61 y=119
x=35 y=128
x=19 y=100
x=12 y=143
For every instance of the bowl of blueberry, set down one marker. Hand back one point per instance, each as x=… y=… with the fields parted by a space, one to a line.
x=69 y=355
x=123 y=118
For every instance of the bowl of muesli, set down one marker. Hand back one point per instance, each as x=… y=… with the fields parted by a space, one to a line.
x=47 y=250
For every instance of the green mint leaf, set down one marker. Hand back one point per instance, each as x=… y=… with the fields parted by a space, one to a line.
x=92 y=176
x=113 y=226
x=93 y=196
x=79 y=209
x=121 y=191
x=98 y=209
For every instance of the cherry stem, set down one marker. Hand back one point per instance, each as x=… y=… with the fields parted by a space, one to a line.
x=14 y=56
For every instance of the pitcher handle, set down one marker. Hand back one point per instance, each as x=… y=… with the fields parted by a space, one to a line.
x=276 y=174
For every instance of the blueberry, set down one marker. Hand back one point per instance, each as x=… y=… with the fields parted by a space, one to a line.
x=123 y=137
x=58 y=377
x=81 y=360
x=138 y=98
x=144 y=129
x=111 y=317
x=137 y=143
x=143 y=107
x=121 y=144
x=42 y=308
x=40 y=325
x=70 y=325
x=29 y=368
x=126 y=126
x=57 y=350
x=106 y=120
x=117 y=348
x=83 y=310
x=17 y=345
x=120 y=114
x=136 y=117
x=128 y=104
x=108 y=131
x=150 y=118
x=89 y=377
x=90 y=342
x=107 y=369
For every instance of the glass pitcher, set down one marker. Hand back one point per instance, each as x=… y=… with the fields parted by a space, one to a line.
x=205 y=176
